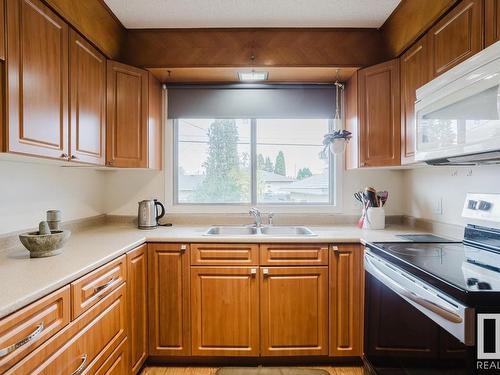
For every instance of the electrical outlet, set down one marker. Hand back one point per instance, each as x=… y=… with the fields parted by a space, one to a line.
x=438 y=206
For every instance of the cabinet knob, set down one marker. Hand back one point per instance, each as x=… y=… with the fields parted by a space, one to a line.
x=64 y=155
x=183 y=248
x=335 y=248
x=74 y=157
x=253 y=271
x=265 y=272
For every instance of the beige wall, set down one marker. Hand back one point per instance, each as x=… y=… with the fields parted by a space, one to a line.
x=29 y=189
x=423 y=187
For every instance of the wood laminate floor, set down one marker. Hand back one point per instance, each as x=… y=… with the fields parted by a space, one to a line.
x=211 y=370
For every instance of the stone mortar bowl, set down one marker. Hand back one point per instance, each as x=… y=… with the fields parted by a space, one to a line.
x=44 y=245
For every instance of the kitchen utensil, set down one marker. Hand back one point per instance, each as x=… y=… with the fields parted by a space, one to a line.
x=382 y=197
x=148 y=215
x=371 y=195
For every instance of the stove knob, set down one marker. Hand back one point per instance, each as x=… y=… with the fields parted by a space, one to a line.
x=484 y=206
x=472 y=204
x=472 y=281
x=483 y=286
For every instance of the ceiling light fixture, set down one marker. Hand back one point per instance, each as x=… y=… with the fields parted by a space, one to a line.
x=252 y=76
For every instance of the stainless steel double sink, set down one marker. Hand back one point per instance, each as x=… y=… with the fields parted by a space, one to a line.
x=266 y=230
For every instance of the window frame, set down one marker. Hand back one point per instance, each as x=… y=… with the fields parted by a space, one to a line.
x=334 y=204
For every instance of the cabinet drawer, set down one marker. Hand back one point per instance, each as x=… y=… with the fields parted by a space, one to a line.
x=117 y=362
x=91 y=288
x=224 y=254
x=294 y=255
x=25 y=330
x=85 y=344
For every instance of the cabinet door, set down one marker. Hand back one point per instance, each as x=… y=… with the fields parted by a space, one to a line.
x=225 y=311
x=414 y=73
x=137 y=299
x=88 y=101
x=346 y=300
x=456 y=37
x=169 y=322
x=2 y=30
x=492 y=21
x=379 y=115
x=127 y=116
x=394 y=328
x=37 y=80
x=294 y=311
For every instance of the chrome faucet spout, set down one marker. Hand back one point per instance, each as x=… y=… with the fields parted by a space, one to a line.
x=257 y=216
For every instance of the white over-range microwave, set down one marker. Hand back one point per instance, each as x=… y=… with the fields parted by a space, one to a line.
x=458 y=113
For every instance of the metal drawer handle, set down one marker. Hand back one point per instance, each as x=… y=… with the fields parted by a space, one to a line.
x=253 y=272
x=442 y=311
x=97 y=289
x=80 y=368
x=27 y=339
x=265 y=272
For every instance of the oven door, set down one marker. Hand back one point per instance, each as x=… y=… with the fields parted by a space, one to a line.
x=451 y=315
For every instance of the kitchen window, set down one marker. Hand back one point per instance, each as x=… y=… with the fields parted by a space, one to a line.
x=253 y=161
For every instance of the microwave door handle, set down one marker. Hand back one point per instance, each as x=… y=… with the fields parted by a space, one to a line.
x=429 y=305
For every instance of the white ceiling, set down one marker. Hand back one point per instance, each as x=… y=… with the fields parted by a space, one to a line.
x=251 y=13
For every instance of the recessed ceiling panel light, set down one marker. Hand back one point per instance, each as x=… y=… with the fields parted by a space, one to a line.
x=252 y=76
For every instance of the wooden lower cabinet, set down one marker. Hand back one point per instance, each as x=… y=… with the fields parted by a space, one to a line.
x=117 y=362
x=168 y=299
x=294 y=311
x=27 y=329
x=137 y=282
x=346 y=300
x=85 y=344
x=224 y=311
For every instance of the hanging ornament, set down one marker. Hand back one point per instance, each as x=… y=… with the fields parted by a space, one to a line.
x=337 y=140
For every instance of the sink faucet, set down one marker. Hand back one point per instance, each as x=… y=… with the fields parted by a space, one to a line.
x=270 y=218
x=256 y=214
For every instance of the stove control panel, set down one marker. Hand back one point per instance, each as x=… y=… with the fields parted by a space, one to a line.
x=482 y=207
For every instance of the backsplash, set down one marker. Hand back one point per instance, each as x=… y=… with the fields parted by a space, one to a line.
x=27 y=190
x=438 y=193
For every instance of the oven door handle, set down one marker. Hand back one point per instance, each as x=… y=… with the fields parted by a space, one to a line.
x=443 y=312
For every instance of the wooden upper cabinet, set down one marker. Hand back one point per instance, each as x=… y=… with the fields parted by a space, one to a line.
x=137 y=281
x=2 y=29
x=168 y=296
x=346 y=300
x=379 y=115
x=133 y=117
x=294 y=311
x=492 y=21
x=87 y=101
x=225 y=311
x=37 y=80
x=414 y=73
x=456 y=37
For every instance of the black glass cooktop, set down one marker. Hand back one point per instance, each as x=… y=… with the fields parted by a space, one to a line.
x=466 y=267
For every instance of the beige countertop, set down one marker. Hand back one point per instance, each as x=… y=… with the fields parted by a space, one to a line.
x=24 y=280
